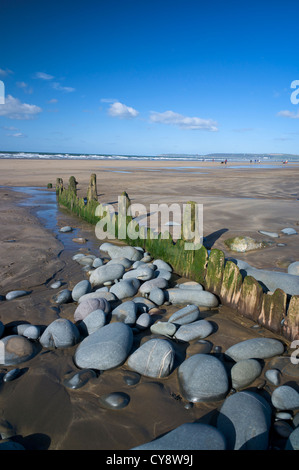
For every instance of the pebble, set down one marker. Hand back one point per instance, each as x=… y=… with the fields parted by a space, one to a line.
x=283 y=429
x=289 y=231
x=65 y=229
x=143 y=321
x=196 y=329
x=63 y=297
x=285 y=397
x=157 y=296
x=32 y=332
x=98 y=294
x=106 y=273
x=78 y=256
x=127 y=263
x=132 y=378
x=163 y=328
x=143 y=305
x=293 y=440
x=11 y=375
x=87 y=260
x=201 y=298
x=89 y=305
x=125 y=288
x=185 y=315
x=269 y=234
x=115 y=251
x=189 y=285
x=61 y=333
x=14 y=294
x=79 y=240
x=143 y=273
x=255 y=348
x=293 y=268
x=163 y=273
x=154 y=358
x=16 y=349
x=56 y=285
x=283 y=415
x=92 y=322
x=97 y=262
x=203 y=378
x=273 y=376
x=244 y=372
x=125 y=312
x=160 y=264
x=188 y=436
x=106 y=348
x=244 y=419
x=79 y=379
x=81 y=288
x=152 y=283
x=115 y=400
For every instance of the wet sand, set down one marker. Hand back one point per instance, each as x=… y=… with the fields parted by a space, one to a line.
x=46 y=414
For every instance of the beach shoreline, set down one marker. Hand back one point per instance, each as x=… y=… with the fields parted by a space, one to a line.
x=43 y=412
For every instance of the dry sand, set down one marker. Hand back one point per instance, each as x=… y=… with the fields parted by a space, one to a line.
x=44 y=413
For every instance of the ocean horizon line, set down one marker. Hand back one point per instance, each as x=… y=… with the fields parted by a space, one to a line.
x=216 y=157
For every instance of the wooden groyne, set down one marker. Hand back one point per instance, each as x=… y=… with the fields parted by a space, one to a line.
x=276 y=311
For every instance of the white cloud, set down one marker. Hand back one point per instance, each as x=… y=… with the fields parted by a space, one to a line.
x=17 y=135
x=122 y=111
x=43 y=76
x=58 y=87
x=4 y=73
x=108 y=100
x=289 y=114
x=10 y=128
x=24 y=87
x=14 y=109
x=54 y=100
x=184 y=122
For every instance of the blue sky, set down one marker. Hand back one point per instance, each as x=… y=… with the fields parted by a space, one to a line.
x=146 y=77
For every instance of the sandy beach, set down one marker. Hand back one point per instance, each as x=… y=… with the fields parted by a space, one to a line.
x=236 y=201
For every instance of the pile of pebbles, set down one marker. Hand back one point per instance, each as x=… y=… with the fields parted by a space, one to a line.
x=113 y=303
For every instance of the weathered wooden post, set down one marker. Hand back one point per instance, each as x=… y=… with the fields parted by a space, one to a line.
x=92 y=194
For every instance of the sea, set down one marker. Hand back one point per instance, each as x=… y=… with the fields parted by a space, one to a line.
x=216 y=157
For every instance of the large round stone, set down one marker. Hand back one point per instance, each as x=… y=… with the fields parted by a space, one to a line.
x=15 y=349
x=89 y=305
x=83 y=287
x=128 y=252
x=185 y=315
x=285 y=398
x=255 y=348
x=244 y=420
x=106 y=273
x=144 y=273
x=203 y=378
x=198 y=329
x=154 y=358
x=152 y=283
x=125 y=312
x=106 y=348
x=125 y=288
x=188 y=436
x=61 y=333
x=201 y=298
x=245 y=372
